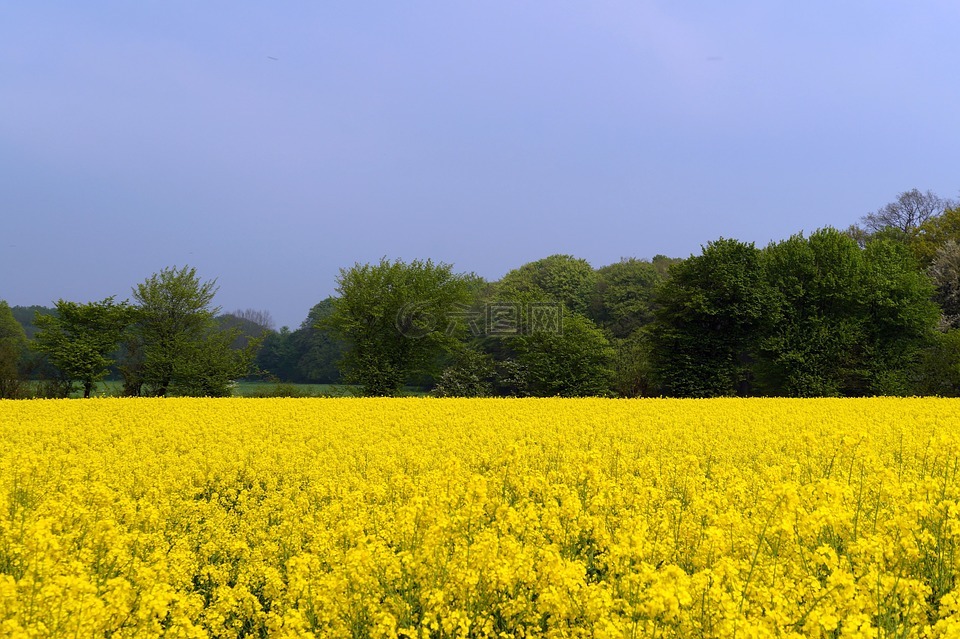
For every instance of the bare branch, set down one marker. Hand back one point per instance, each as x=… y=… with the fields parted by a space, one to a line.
x=910 y=210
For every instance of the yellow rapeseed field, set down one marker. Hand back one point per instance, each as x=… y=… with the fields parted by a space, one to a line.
x=479 y=518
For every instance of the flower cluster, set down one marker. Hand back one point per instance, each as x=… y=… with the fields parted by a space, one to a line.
x=479 y=518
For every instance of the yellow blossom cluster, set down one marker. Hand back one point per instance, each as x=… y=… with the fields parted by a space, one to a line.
x=479 y=518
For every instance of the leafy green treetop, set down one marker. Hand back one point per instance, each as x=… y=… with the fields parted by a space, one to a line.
x=560 y=278
x=710 y=313
x=398 y=320
x=80 y=338
x=178 y=345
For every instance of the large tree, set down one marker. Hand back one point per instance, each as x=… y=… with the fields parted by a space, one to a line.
x=907 y=213
x=710 y=315
x=848 y=321
x=179 y=346
x=899 y=317
x=811 y=349
x=79 y=339
x=915 y=219
x=398 y=320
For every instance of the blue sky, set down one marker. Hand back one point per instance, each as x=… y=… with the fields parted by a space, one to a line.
x=270 y=144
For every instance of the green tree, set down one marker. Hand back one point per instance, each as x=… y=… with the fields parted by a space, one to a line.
x=848 y=321
x=899 y=317
x=316 y=349
x=939 y=370
x=623 y=305
x=710 y=315
x=575 y=360
x=276 y=359
x=79 y=339
x=175 y=314
x=811 y=350
x=568 y=355
x=560 y=278
x=663 y=264
x=13 y=344
x=397 y=320
x=209 y=367
x=622 y=300
x=179 y=347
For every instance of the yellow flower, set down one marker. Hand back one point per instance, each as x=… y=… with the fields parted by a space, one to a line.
x=486 y=518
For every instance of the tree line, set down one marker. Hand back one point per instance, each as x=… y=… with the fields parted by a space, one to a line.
x=870 y=310
x=167 y=341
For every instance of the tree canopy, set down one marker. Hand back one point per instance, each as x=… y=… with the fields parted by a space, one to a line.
x=177 y=345
x=808 y=316
x=398 y=320
x=709 y=315
x=80 y=338
x=561 y=278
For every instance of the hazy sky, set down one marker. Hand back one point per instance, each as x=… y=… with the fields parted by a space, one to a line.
x=270 y=144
